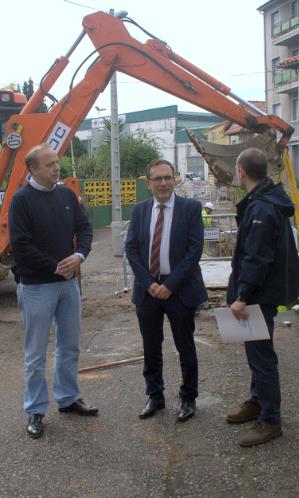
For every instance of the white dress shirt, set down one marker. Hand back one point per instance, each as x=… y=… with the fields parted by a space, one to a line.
x=165 y=239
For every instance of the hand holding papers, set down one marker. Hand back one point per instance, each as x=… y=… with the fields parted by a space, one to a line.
x=233 y=330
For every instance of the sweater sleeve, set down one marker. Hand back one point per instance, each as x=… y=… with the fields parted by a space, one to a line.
x=26 y=254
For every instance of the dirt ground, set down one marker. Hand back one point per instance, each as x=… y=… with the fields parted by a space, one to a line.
x=116 y=454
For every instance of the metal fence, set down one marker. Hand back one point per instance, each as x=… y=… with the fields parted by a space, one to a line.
x=219 y=237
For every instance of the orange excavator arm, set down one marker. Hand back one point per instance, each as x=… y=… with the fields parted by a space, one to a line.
x=152 y=62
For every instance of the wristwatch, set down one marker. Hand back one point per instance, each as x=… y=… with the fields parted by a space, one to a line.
x=241 y=299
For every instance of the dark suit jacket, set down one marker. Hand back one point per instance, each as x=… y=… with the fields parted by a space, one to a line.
x=185 y=249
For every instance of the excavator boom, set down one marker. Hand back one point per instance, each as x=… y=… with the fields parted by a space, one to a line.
x=152 y=62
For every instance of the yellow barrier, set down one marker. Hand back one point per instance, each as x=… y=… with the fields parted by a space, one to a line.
x=287 y=163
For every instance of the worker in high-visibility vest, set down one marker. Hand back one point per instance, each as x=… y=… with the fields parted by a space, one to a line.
x=207 y=211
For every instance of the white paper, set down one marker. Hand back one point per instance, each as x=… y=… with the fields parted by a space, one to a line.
x=233 y=330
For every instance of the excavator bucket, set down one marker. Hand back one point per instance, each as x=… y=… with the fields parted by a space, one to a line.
x=221 y=159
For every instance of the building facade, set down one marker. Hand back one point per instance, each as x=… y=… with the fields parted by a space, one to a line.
x=167 y=126
x=281 y=38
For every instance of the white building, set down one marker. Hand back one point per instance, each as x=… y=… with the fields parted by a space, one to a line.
x=165 y=124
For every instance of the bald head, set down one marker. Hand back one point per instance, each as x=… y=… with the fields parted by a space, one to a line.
x=254 y=163
x=32 y=158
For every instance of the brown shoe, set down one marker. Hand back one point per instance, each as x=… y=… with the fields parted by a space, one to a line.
x=249 y=410
x=260 y=433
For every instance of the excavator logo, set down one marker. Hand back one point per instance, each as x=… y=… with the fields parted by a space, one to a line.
x=14 y=140
x=58 y=136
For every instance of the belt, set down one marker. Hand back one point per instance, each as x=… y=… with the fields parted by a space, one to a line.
x=162 y=278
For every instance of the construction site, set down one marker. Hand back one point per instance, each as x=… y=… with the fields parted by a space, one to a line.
x=118 y=453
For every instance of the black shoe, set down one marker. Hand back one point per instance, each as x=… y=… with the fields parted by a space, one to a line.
x=151 y=407
x=80 y=408
x=35 y=427
x=187 y=410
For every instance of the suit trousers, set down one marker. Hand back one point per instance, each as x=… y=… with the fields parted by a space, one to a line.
x=40 y=305
x=151 y=317
x=263 y=363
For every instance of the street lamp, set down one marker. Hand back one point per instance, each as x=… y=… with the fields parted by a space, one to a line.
x=99 y=109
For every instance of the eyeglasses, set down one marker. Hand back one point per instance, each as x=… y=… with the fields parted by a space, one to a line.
x=159 y=179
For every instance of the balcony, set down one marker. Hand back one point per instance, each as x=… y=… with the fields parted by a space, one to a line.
x=283 y=27
x=281 y=78
x=286 y=32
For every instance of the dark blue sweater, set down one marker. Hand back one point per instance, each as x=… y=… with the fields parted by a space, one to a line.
x=42 y=228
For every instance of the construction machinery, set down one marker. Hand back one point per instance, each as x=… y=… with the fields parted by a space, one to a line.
x=152 y=62
x=11 y=102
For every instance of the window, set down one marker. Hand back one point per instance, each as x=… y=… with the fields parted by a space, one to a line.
x=295 y=8
x=275 y=63
x=277 y=110
x=274 y=19
x=295 y=109
x=276 y=71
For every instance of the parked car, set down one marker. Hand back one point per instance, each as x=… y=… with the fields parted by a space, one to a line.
x=192 y=176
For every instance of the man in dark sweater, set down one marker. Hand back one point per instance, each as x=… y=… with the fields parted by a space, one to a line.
x=265 y=271
x=44 y=221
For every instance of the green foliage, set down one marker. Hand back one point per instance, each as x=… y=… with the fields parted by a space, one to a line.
x=135 y=153
x=86 y=166
x=78 y=148
x=65 y=167
x=105 y=129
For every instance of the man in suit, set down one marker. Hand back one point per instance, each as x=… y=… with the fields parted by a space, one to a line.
x=164 y=246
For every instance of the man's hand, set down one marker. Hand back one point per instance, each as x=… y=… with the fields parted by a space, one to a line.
x=163 y=292
x=66 y=267
x=153 y=288
x=159 y=291
x=239 y=310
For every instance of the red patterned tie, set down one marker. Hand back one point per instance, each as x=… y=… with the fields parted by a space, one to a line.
x=156 y=244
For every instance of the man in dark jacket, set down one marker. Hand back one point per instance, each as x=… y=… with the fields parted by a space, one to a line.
x=44 y=219
x=164 y=246
x=265 y=272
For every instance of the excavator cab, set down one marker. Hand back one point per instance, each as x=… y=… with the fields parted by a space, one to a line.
x=11 y=102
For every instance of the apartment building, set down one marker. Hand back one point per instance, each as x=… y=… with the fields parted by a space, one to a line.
x=281 y=42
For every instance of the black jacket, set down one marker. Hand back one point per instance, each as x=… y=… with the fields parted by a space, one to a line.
x=265 y=265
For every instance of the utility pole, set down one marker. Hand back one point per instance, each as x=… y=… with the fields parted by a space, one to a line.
x=115 y=163
x=116 y=225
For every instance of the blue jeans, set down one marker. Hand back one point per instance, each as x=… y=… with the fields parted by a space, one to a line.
x=40 y=305
x=263 y=362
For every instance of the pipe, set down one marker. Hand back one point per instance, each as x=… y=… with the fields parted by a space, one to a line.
x=114 y=364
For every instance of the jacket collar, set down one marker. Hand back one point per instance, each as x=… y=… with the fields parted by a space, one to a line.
x=262 y=186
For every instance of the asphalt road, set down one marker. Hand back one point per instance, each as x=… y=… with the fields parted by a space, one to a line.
x=116 y=455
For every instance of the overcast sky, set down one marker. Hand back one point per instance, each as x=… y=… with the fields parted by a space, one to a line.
x=222 y=37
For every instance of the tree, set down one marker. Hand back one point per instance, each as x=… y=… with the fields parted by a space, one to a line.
x=65 y=167
x=86 y=167
x=28 y=90
x=105 y=129
x=78 y=148
x=135 y=153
